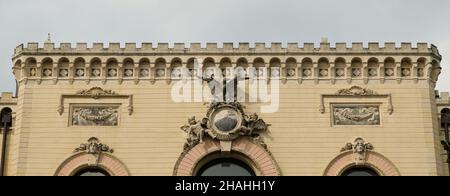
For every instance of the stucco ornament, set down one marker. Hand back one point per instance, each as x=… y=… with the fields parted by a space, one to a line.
x=356 y=90
x=96 y=92
x=359 y=148
x=225 y=122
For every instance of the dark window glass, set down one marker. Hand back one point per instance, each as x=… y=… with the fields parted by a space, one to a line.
x=226 y=167
x=360 y=171
x=92 y=172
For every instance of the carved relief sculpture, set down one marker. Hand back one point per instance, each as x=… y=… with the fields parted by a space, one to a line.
x=225 y=122
x=93 y=147
x=95 y=116
x=356 y=115
x=359 y=148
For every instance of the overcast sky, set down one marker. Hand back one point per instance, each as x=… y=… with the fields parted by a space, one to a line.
x=23 y=21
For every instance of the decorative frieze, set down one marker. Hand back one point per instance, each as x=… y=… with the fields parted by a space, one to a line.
x=389 y=72
x=291 y=72
x=96 y=93
x=128 y=73
x=373 y=72
x=79 y=73
x=144 y=73
x=357 y=92
x=112 y=72
x=47 y=72
x=307 y=73
x=63 y=73
x=95 y=115
x=95 y=72
x=340 y=72
x=356 y=115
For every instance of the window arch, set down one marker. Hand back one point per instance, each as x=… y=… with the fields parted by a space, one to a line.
x=360 y=171
x=324 y=67
x=445 y=116
x=92 y=171
x=6 y=111
x=84 y=162
x=374 y=161
x=243 y=149
x=225 y=167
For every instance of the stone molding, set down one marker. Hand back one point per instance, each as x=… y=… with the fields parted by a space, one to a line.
x=92 y=154
x=356 y=92
x=95 y=93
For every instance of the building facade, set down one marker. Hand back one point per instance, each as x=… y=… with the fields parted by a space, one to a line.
x=341 y=110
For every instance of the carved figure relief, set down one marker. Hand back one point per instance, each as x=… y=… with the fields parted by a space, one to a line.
x=359 y=148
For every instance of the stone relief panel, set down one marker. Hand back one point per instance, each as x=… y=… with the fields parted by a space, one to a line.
x=356 y=115
x=94 y=115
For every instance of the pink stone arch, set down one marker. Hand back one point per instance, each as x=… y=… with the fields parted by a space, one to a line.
x=82 y=160
x=262 y=159
x=374 y=161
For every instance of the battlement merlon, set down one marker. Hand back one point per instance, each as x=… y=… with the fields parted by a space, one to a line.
x=275 y=48
x=7 y=98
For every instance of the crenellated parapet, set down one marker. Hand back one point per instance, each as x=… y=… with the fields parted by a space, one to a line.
x=272 y=48
x=7 y=98
x=305 y=63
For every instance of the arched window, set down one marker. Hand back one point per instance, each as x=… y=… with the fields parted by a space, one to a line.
x=92 y=171
x=360 y=171
x=226 y=167
x=5 y=116
x=445 y=117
